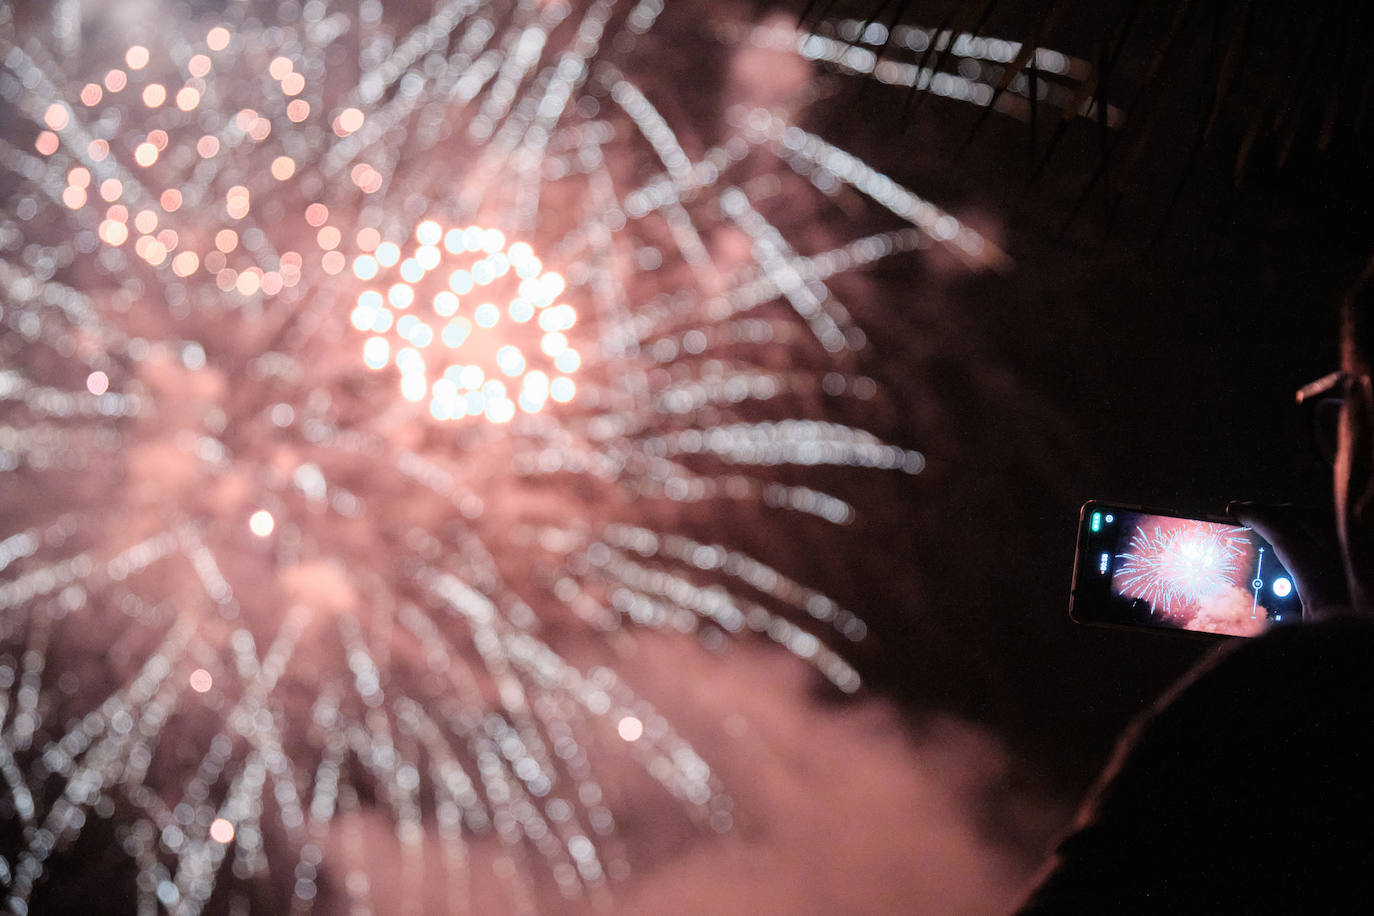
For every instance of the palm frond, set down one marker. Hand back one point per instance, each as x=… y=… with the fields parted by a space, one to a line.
x=1189 y=85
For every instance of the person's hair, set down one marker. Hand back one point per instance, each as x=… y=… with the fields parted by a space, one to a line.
x=1357 y=321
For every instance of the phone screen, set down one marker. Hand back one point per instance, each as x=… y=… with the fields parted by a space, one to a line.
x=1141 y=568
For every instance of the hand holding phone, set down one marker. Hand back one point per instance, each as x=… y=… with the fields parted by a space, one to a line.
x=1145 y=568
x=1306 y=540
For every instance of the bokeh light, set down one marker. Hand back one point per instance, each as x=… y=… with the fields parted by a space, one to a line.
x=222 y=831
x=630 y=728
x=261 y=523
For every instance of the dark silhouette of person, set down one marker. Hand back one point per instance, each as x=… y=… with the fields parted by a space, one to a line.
x=1249 y=786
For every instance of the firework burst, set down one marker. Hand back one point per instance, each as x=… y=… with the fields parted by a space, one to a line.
x=1178 y=568
x=360 y=373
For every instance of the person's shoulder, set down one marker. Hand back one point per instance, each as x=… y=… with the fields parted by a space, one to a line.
x=1310 y=670
x=1253 y=773
x=1335 y=624
x=1321 y=644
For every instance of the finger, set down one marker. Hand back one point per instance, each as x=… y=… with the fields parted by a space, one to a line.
x=1306 y=543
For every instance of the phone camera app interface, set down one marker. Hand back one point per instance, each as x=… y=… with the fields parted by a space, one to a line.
x=1195 y=575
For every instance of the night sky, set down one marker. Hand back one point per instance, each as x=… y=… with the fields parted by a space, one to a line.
x=771 y=616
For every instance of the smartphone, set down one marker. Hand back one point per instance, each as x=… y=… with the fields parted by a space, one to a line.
x=1139 y=567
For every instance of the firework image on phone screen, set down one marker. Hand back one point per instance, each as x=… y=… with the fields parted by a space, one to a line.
x=1144 y=568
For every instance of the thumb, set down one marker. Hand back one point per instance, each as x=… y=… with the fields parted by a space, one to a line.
x=1305 y=540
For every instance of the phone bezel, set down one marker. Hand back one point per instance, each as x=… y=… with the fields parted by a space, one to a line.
x=1081 y=552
